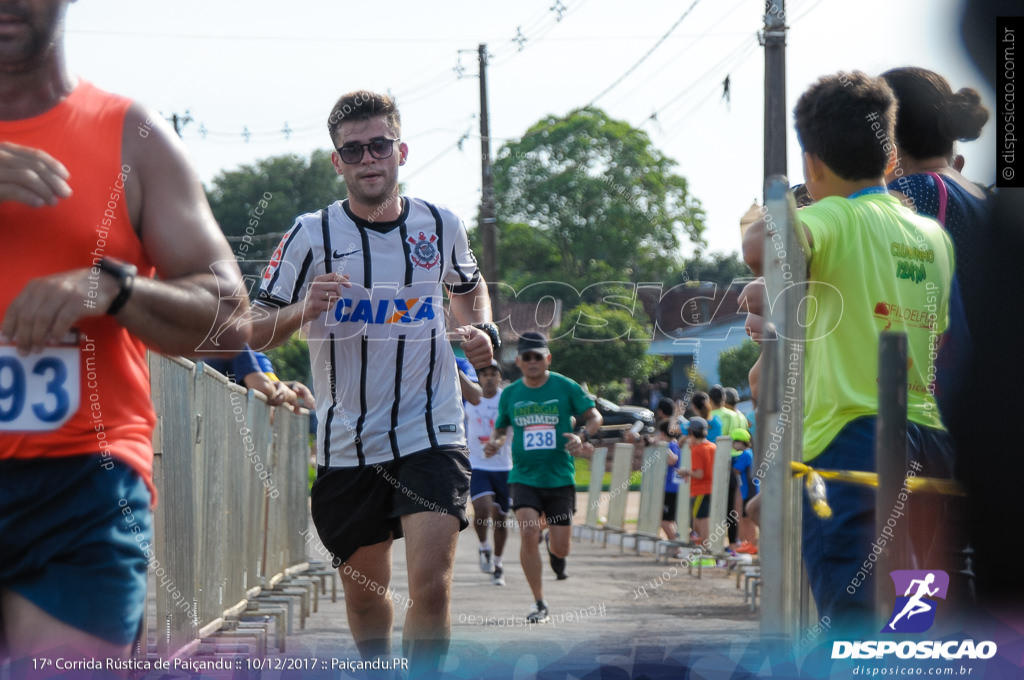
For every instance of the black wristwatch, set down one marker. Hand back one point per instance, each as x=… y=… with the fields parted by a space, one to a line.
x=125 y=275
x=492 y=333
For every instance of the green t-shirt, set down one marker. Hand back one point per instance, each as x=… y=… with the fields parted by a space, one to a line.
x=539 y=417
x=875 y=266
x=731 y=420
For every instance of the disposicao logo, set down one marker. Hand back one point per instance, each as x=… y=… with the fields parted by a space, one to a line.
x=914 y=611
x=917 y=592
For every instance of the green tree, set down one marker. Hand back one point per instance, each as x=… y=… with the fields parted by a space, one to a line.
x=720 y=268
x=599 y=200
x=291 y=361
x=602 y=345
x=734 y=364
x=255 y=204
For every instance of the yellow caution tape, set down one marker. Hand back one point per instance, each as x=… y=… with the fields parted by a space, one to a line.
x=946 y=487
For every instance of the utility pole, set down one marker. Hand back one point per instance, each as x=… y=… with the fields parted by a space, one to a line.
x=488 y=226
x=774 y=42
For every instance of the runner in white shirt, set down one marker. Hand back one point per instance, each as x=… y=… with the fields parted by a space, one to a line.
x=368 y=275
x=488 y=489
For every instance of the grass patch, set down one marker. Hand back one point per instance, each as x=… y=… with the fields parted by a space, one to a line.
x=583 y=477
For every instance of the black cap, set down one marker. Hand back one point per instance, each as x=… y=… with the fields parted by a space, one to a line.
x=532 y=341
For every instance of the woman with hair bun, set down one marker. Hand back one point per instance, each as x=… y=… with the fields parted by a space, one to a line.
x=930 y=118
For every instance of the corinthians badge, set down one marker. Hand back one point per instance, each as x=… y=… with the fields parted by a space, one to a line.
x=424 y=253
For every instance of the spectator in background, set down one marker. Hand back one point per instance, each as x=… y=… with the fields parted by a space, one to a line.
x=866 y=247
x=732 y=397
x=702 y=406
x=247 y=368
x=702 y=459
x=729 y=418
x=742 y=465
x=930 y=118
x=668 y=512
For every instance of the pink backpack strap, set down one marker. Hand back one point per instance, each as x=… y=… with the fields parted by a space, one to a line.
x=943 y=196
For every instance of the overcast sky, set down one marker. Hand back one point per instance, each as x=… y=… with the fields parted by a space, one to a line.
x=261 y=65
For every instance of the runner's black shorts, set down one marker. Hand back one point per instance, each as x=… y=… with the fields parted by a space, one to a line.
x=668 y=510
x=557 y=503
x=354 y=507
x=701 y=506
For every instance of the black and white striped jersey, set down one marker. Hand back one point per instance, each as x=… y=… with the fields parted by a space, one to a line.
x=384 y=373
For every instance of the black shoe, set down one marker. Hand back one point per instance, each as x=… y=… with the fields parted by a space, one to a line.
x=557 y=563
x=539 y=614
x=498 y=576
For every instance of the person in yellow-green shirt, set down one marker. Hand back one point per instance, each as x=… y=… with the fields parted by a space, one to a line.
x=874 y=265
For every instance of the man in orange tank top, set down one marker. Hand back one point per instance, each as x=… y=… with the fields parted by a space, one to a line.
x=90 y=209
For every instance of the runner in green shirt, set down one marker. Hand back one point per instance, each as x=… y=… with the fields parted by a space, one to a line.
x=539 y=408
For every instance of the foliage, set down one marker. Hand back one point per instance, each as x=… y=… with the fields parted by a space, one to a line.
x=720 y=268
x=595 y=200
x=734 y=364
x=291 y=361
x=255 y=204
x=600 y=344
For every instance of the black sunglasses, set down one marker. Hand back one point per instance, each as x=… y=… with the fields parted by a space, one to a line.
x=531 y=356
x=379 y=147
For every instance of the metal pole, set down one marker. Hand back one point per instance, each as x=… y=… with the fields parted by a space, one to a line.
x=780 y=420
x=890 y=458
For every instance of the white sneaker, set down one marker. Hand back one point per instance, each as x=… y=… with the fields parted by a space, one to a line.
x=486 y=565
x=499 y=576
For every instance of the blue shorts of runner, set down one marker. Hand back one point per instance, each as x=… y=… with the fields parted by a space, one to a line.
x=356 y=507
x=701 y=506
x=491 y=483
x=668 y=510
x=836 y=549
x=73 y=539
x=557 y=504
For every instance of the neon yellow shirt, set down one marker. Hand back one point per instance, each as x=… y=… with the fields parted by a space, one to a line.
x=731 y=420
x=875 y=266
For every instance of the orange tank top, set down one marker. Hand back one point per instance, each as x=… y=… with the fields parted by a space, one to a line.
x=46 y=410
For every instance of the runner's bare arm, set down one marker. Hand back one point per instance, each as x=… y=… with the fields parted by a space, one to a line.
x=272 y=326
x=31 y=176
x=496 y=441
x=190 y=307
x=469 y=308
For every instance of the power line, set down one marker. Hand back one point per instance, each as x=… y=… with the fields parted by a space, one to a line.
x=644 y=58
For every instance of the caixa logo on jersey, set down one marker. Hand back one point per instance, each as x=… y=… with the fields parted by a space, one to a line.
x=918 y=592
x=385 y=310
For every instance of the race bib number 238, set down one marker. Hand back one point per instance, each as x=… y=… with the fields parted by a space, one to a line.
x=38 y=392
x=538 y=437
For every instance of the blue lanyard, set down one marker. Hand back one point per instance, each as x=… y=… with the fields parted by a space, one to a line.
x=869 y=190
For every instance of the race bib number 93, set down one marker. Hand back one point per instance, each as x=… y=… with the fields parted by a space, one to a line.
x=38 y=392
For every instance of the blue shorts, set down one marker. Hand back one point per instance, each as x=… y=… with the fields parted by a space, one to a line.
x=491 y=482
x=835 y=549
x=73 y=537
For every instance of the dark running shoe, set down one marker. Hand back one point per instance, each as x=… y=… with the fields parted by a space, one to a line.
x=557 y=563
x=539 y=614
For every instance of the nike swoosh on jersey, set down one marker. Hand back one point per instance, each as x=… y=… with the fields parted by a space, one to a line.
x=338 y=256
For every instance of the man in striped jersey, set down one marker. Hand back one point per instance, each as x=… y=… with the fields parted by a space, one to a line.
x=368 y=276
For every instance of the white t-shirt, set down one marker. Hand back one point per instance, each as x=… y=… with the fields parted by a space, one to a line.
x=479 y=426
x=383 y=371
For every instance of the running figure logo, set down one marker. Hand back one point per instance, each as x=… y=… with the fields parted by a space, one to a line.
x=915 y=610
